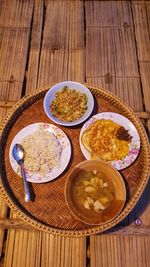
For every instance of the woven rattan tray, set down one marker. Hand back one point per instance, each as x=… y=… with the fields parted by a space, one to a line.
x=48 y=211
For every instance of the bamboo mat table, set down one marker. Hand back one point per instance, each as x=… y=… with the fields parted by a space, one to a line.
x=105 y=43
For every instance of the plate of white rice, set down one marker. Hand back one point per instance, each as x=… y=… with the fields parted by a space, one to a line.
x=47 y=152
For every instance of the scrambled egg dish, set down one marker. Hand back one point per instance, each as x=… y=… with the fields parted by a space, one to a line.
x=102 y=141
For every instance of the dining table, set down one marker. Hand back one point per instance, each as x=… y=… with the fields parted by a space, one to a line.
x=104 y=45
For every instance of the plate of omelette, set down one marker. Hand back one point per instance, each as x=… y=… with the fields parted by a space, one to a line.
x=110 y=137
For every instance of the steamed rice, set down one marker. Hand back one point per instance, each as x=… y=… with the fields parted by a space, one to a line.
x=43 y=152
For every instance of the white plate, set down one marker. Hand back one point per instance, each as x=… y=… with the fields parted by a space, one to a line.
x=50 y=95
x=65 y=154
x=134 y=146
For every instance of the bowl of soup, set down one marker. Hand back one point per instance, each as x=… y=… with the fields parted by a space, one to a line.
x=95 y=192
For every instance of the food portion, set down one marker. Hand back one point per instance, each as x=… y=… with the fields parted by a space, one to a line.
x=94 y=191
x=69 y=104
x=42 y=152
x=106 y=140
x=123 y=134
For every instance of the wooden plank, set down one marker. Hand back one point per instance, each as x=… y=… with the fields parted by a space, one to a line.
x=128 y=89
x=21 y=248
x=3 y=214
x=37 y=23
x=13 y=57
x=10 y=91
x=143 y=115
x=9 y=248
x=63 y=27
x=108 y=13
x=16 y=94
x=144 y=53
x=145 y=78
x=148 y=14
x=140 y=2
x=13 y=54
x=130 y=230
x=31 y=248
x=16 y=13
x=7 y=104
x=3 y=114
x=8 y=223
x=140 y=15
x=3 y=207
x=26 y=248
x=32 y=73
x=110 y=50
x=119 y=251
x=60 y=66
x=62 y=54
x=60 y=251
x=35 y=47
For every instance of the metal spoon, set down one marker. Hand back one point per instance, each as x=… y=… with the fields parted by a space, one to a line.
x=18 y=154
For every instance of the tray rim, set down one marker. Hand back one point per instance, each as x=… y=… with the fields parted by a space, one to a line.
x=113 y=99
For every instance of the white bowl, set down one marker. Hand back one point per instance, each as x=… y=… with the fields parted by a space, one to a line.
x=50 y=95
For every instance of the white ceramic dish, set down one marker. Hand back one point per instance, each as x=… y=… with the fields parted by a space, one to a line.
x=64 y=158
x=134 y=146
x=50 y=95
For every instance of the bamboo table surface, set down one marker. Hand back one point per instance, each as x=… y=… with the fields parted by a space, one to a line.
x=105 y=43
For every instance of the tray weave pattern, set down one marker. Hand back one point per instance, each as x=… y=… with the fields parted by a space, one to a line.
x=48 y=210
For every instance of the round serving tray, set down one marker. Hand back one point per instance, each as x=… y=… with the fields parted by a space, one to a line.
x=48 y=210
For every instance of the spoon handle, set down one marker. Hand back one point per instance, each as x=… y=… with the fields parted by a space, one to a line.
x=27 y=193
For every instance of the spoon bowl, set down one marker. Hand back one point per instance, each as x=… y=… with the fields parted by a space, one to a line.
x=18 y=153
